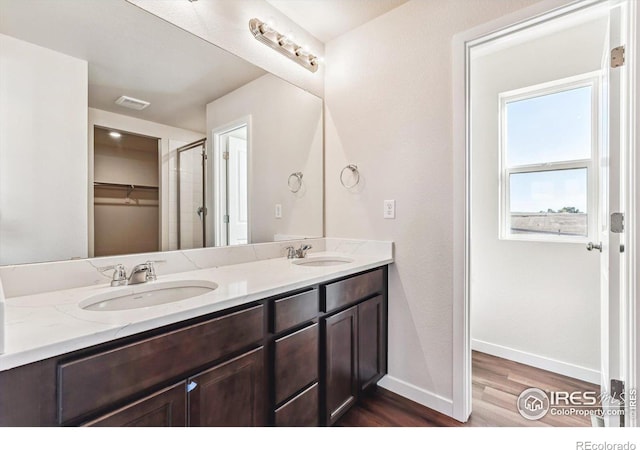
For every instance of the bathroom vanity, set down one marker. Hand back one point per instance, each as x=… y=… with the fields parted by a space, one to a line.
x=301 y=357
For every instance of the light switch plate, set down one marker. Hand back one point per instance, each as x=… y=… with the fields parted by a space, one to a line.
x=278 y=211
x=389 y=209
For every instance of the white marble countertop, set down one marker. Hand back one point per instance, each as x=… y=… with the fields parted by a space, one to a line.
x=44 y=325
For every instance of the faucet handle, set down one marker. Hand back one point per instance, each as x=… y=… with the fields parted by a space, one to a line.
x=291 y=252
x=151 y=269
x=119 y=274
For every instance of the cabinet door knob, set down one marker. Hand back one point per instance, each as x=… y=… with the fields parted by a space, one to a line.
x=191 y=386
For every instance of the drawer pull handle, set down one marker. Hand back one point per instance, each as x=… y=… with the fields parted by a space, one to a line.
x=191 y=386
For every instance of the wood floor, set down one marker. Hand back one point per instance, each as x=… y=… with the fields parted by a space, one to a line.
x=497 y=383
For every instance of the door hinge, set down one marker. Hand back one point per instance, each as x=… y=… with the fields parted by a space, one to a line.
x=617 y=389
x=617 y=222
x=617 y=57
x=225 y=155
x=204 y=155
x=225 y=218
x=617 y=393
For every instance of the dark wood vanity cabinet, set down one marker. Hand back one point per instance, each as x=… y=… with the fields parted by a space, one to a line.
x=298 y=359
x=372 y=342
x=354 y=340
x=166 y=408
x=341 y=364
x=230 y=394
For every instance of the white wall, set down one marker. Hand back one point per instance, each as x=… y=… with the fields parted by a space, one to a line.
x=388 y=97
x=534 y=302
x=226 y=24
x=168 y=210
x=285 y=137
x=43 y=157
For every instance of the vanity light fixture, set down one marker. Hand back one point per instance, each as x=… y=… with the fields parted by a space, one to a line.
x=283 y=44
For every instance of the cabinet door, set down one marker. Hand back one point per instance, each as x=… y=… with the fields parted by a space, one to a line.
x=166 y=408
x=230 y=394
x=341 y=377
x=371 y=342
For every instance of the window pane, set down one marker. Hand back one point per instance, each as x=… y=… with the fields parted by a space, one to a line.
x=549 y=128
x=549 y=202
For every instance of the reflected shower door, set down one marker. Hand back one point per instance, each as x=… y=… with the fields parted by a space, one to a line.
x=191 y=195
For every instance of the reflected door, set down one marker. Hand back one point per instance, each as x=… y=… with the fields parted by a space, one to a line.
x=231 y=185
x=237 y=190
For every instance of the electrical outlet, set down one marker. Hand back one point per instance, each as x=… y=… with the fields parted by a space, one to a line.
x=389 y=209
x=278 y=211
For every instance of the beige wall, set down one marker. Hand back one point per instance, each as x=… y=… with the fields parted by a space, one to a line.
x=388 y=95
x=43 y=154
x=114 y=163
x=285 y=137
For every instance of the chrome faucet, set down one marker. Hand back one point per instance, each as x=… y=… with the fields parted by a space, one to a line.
x=140 y=273
x=292 y=253
x=143 y=273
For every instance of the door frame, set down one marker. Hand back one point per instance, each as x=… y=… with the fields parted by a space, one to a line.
x=462 y=43
x=215 y=178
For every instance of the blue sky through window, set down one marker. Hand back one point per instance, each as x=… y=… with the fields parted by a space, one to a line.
x=549 y=128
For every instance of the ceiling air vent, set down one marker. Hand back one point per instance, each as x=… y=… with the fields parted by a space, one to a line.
x=133 y=103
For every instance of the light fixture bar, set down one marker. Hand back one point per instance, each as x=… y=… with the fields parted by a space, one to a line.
x=279 y=42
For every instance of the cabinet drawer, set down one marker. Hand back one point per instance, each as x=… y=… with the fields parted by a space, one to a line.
x=296 y=362
x=300 y=411
x=351 y=290
x=291 y=311
x=97 y=381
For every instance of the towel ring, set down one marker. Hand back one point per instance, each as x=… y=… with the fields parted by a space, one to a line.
x=354 y=171
x=297 y=182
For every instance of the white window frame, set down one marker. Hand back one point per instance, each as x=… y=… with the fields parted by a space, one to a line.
x=592 y=79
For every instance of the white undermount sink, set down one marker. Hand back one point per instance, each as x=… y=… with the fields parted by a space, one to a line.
x=321 y=261
x=143 y=295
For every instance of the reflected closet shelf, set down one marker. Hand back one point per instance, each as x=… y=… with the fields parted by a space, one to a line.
x=123 y=186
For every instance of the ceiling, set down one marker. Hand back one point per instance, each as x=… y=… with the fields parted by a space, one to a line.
x=132 y=52
x=328 y=19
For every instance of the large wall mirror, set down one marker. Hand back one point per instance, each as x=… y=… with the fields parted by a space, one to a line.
x=121 y=133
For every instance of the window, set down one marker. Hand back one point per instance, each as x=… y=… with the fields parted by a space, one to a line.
x=548 y=148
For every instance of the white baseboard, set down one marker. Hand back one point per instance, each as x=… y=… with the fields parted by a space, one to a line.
x=417 y=394
x=541 y=362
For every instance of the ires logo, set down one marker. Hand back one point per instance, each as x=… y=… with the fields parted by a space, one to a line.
x=534 y=403
x=577 y=398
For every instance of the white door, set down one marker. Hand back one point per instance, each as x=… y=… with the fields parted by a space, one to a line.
x=237 y=190
x=611 y=189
